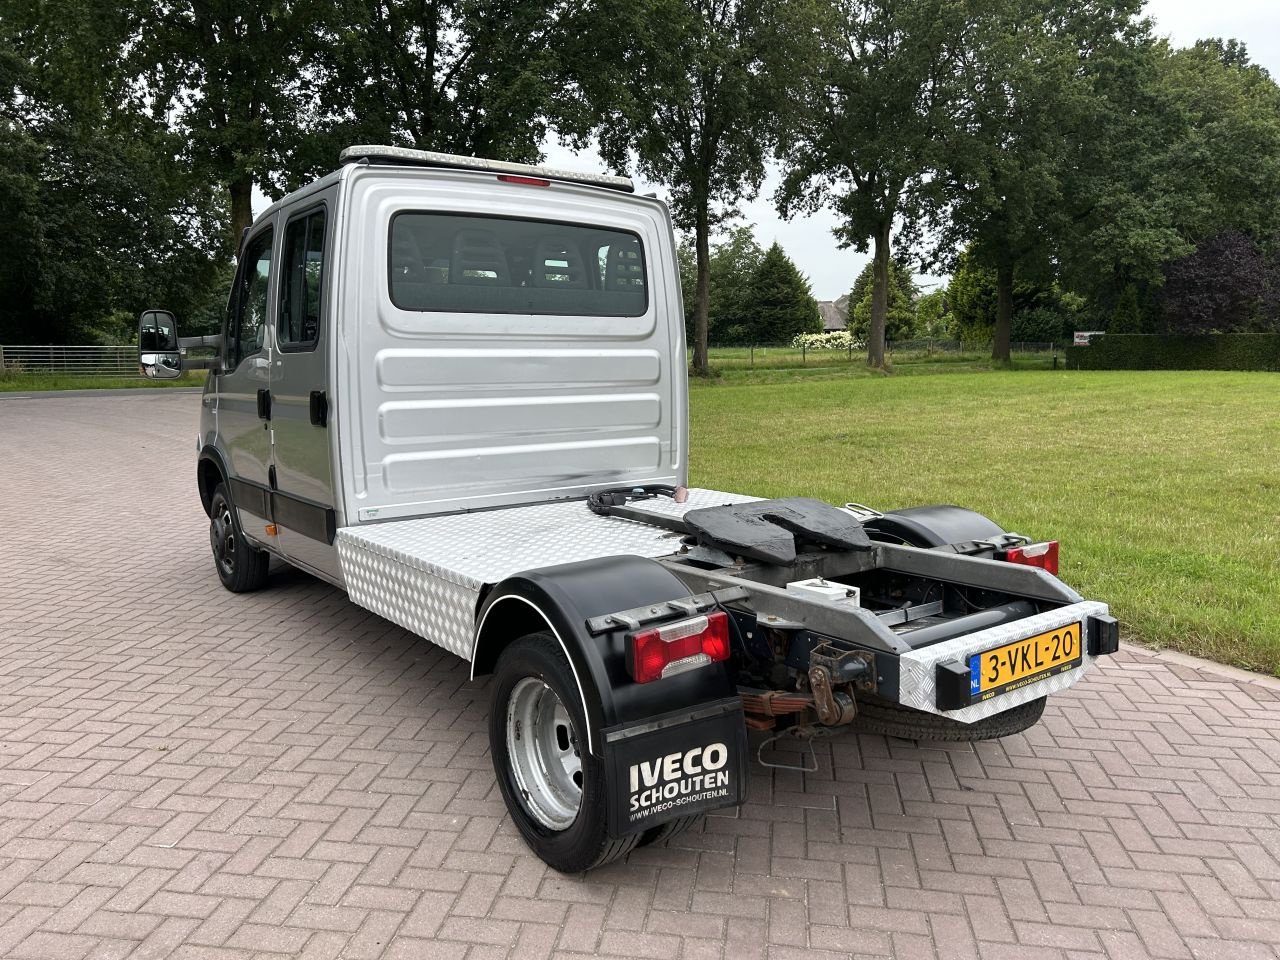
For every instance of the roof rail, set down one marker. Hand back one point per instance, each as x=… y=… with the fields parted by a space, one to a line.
x=376 y=153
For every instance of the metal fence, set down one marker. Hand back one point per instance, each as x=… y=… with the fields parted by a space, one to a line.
x=787 y=354
x=960 y=346
x=89 y=361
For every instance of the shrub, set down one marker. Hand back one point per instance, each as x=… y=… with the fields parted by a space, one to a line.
x=832 y=340
x=1216 y=351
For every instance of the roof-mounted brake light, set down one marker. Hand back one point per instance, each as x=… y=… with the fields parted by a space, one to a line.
x=404 y=156
x=527 y=181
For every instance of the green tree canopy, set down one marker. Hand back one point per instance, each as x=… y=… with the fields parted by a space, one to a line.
x=475 y=77
x=778 y=302
x=1041 y=312
x=871 y=116
x=733 y=262
x=230 y=80
x=687 y=89
x=1191 y=149
x=266 y=92
x=932 y=318
x=1127 y=317
x=900 y=320
x=1033 y=113
x=99 y=221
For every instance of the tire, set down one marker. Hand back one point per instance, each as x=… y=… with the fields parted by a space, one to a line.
x=537 y=736
x=241 y=568
x=881 y=716
x=665 y=831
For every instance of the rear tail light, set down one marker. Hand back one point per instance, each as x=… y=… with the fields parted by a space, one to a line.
x=675 y=647
x=527 y=181
x=1042 y=555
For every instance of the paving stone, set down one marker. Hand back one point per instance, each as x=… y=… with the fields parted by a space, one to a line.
x=190 y=773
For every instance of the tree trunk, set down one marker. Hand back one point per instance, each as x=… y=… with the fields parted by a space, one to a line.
x=241 y=209
x=1004 y=310
x=879 y=299
x=702 y=296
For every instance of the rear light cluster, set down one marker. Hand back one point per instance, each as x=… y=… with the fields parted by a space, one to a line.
x=1042 y=555
x=676 y=647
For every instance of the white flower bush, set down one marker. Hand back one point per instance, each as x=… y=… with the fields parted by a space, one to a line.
x=831 y=340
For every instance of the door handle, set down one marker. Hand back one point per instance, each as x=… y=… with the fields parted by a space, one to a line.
x=264 y=404
x=319 y=408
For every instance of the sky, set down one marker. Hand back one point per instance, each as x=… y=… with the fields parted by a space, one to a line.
x=808 y=240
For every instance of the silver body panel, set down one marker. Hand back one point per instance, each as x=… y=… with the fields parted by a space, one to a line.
x=427 y=574
x=445 y=411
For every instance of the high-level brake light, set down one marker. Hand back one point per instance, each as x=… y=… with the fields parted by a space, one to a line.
x=675 y=647
x=527 y=181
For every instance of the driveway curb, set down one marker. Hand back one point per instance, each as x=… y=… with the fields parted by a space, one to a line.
x=1174 y=658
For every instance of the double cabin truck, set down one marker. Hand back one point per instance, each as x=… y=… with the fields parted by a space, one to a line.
x=456 y=389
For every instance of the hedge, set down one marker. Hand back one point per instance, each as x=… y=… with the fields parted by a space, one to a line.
x=1214 y=351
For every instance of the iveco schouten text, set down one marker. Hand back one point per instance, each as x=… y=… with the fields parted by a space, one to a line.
x=456 y=389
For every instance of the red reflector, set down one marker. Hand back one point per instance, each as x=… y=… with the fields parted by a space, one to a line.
x=675 y=647
x=527 y=181
x=1042 y=555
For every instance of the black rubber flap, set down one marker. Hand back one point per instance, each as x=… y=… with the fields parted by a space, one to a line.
x=768 y=529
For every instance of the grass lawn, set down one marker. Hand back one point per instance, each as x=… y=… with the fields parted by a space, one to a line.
x=11 y=382
x=1164 y=488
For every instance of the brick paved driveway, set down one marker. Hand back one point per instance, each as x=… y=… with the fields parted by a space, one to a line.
x=188 y=773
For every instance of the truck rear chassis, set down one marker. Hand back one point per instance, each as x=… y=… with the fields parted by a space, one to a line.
x=921 y=609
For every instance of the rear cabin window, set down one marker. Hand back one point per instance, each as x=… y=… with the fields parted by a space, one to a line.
x=299 y=323
x=464 y=264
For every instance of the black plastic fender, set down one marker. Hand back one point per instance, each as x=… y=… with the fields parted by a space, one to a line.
x=934 y=526
x=211 y=469
x=561 y=599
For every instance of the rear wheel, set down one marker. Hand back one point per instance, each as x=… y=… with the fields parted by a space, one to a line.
x=893 y=720
x=240 y=567
x=553 y=787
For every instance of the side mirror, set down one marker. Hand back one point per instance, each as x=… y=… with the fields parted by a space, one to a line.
x=158 y=355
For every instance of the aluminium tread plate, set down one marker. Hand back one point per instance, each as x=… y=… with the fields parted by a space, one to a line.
x=426 y=574
x=918 y=686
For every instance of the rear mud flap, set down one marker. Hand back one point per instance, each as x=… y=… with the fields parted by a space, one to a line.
x=676 y=765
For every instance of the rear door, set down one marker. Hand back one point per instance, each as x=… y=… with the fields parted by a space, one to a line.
x=244 y=425
x=300 y=395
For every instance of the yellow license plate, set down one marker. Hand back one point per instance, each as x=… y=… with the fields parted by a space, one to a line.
x=1025 y=661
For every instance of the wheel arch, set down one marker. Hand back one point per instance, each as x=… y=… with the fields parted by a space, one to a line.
x=211 y=470
x=506 y=619
x=561 y=600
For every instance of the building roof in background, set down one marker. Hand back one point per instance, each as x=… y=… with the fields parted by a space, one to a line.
x=835 y=313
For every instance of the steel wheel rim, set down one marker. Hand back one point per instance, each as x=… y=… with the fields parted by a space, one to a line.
x=542 y=748
x=222 y=537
